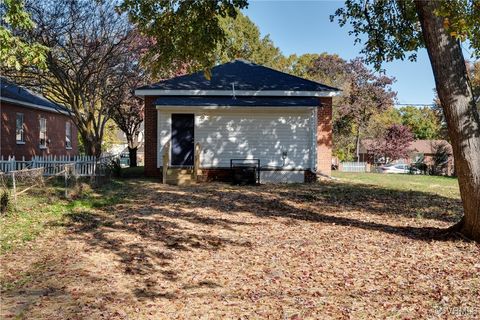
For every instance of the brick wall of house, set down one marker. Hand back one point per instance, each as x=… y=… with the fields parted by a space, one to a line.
x=31 y=122
x=151 y=147
x=324 y=136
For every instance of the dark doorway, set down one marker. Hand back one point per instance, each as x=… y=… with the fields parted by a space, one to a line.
x=182 y=139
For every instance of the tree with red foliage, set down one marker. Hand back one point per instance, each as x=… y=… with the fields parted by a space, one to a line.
x=393 y=145
x=365 y=93
x=368 y=93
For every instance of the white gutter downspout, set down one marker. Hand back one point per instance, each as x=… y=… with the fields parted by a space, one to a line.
x=314 y=139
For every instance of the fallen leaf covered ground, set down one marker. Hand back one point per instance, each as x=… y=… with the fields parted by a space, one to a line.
x=330 y=250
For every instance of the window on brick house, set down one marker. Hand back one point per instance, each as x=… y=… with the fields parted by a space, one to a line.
x=68 y=135
x=43 y=133
x=19 y=137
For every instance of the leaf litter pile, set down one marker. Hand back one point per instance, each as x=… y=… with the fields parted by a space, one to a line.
x=214 y=251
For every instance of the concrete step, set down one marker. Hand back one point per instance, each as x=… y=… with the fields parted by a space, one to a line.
x=180 y=176
x=179 y=171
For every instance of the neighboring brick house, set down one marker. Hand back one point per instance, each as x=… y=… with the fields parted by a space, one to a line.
x=33 y=126
x=420 y=151
x=244 y=111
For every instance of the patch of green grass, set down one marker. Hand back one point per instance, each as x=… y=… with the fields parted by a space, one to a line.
x=443 y=186
x=37 y=212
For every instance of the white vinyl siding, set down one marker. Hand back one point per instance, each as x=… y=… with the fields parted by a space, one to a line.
x=248 y=133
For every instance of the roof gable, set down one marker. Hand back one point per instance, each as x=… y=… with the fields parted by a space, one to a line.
x=241 y=75
x=11 y=92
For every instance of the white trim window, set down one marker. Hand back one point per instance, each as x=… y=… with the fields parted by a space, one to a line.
x=19 y=129
x=43 y=133
x=68 y=135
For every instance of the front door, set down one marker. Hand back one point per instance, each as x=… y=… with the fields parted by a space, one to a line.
x=182 y=139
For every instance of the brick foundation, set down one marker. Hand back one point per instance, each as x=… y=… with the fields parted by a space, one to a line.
x=215 y=174
x=324 y=136
x=225 y=175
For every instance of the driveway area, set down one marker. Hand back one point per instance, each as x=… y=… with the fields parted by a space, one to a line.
x=330 y=250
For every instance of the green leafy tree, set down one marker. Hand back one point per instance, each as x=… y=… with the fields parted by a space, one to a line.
x=423 y=122
x=243 y=40
x=301 y=66
x=329 y=69
x=391 y=29
x=344 y=144
x=184 y=31
x=474 y=69
x=16 y=51
x=381 y=121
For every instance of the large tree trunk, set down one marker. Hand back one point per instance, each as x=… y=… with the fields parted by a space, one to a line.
x=132 y=143
x=132 y=154
x=357 y=146
x=456 y=98
x=93 y=146
x=357 y=143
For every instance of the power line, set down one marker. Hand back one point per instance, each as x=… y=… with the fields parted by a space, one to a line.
x=415 y=104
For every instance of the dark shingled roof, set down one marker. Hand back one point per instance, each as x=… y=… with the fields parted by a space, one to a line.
x=10 y=90
x=245 y=75
x=239 y=101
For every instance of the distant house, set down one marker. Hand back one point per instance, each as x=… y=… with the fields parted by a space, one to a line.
x=429 y=152
x=244 y=111
x=119 y=144
x=31 y=125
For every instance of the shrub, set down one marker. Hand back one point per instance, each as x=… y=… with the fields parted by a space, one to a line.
x=115 y=168
x=4 y=201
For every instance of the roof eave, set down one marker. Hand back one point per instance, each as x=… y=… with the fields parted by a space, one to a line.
x=36 y=106
x=259 y=93
x=226 y=107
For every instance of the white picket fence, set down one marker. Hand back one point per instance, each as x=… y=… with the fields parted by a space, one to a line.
x=84 y=165
x=353 y=167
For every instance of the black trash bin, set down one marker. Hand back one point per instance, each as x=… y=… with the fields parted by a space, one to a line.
x=245 y=172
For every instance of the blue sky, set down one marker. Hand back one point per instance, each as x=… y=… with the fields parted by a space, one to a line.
x=304 y=27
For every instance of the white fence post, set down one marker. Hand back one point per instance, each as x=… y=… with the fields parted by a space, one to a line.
x=66 y=180
x=85 y=166
x=353 y=167
x=14 y=185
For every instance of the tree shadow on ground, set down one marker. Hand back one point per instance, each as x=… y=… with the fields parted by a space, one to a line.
x=158 y=214
x=327 y=203
x=158 y=220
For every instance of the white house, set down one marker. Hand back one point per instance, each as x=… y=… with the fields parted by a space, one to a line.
x=243 y=112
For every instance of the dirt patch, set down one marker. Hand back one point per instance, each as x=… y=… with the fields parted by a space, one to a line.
x=212 y=251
